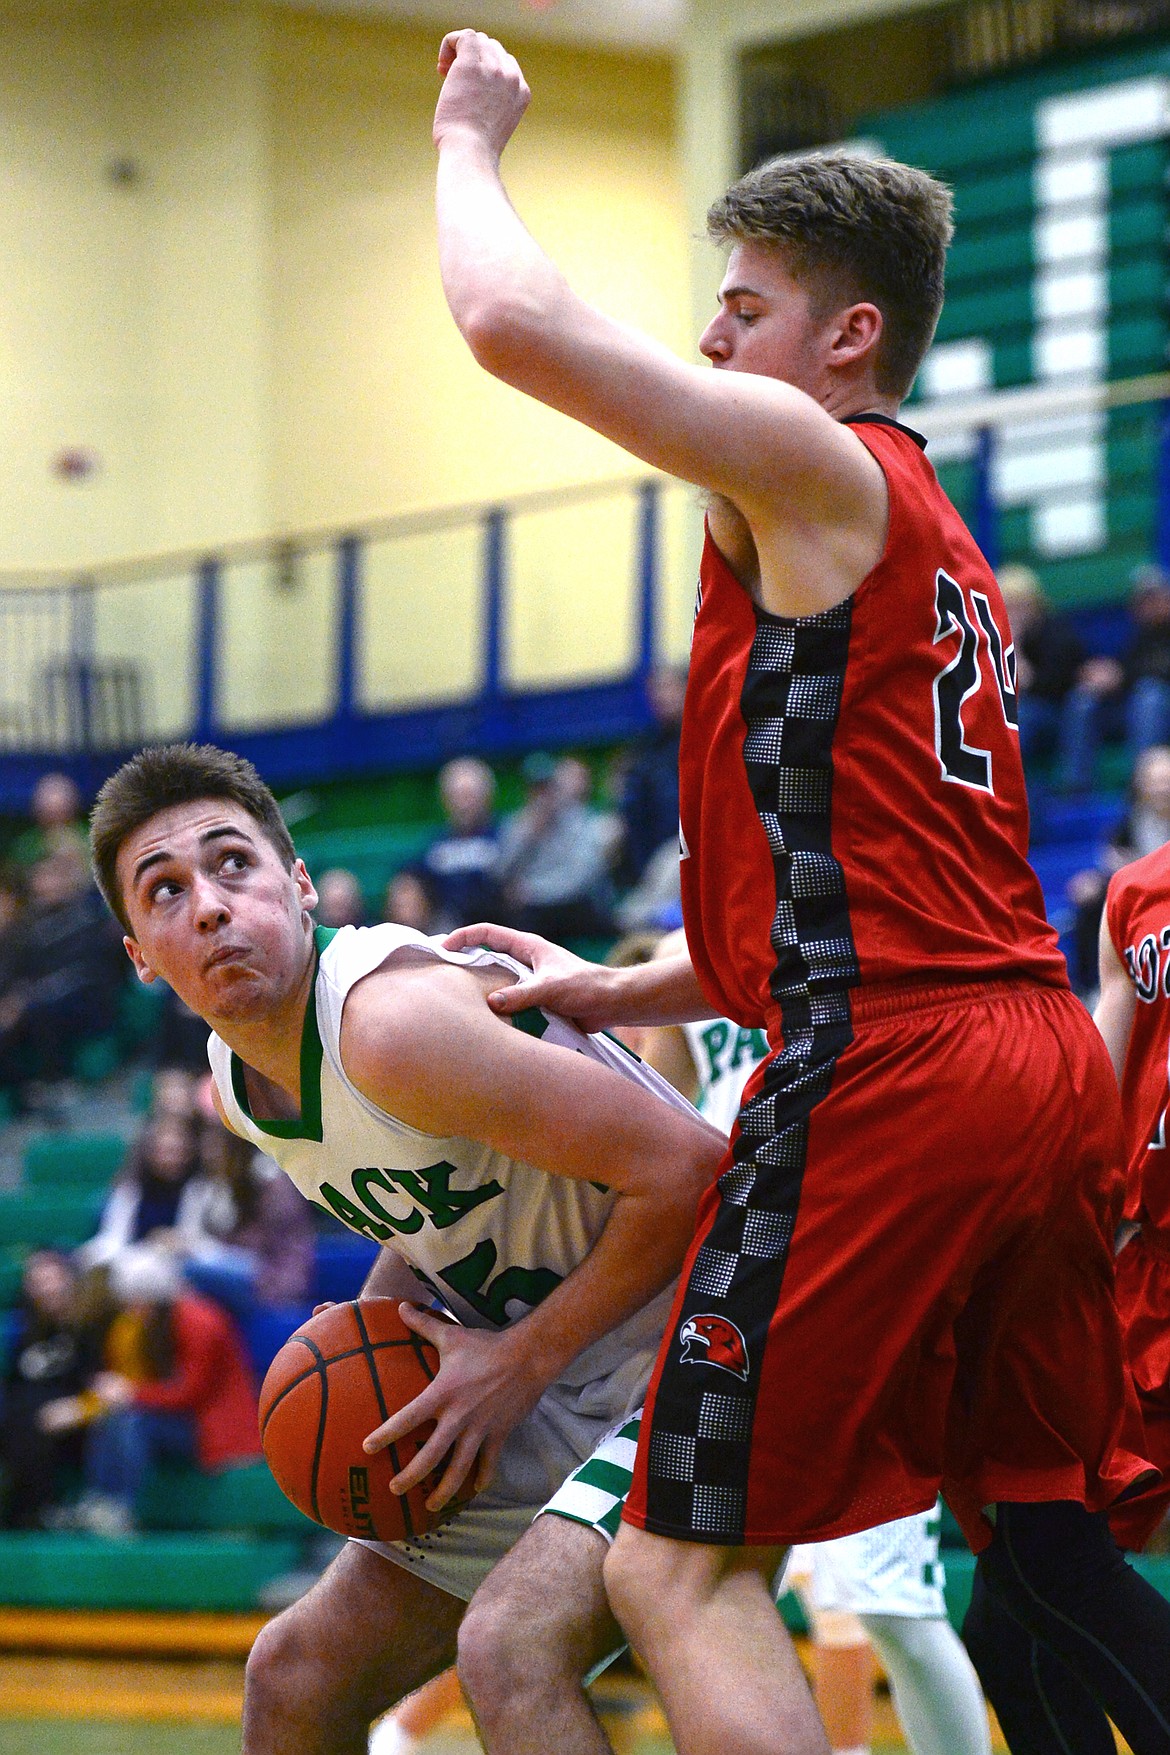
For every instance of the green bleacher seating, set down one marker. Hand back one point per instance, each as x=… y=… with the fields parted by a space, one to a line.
x=74 y=1160
x=11 y=1268
x=146 y=1571
x=245 y=1498
x=992 y=284
x=45 y=1218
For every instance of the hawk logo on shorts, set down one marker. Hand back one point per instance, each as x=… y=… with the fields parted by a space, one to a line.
x=712 y=1340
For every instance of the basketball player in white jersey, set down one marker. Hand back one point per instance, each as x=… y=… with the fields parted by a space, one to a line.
x=537 y=1181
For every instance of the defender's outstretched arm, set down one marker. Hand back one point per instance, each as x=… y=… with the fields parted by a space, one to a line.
x=750 y=438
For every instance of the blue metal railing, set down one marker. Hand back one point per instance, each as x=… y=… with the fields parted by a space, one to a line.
x=84 y=679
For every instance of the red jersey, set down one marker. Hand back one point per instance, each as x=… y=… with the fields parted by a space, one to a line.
x=852 y=797
x=1137 y=910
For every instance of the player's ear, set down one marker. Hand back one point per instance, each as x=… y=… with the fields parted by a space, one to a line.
x=144 y=973
x=306 y=892
x=857 y=330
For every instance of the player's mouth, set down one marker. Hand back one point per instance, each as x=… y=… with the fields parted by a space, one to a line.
x=225 y=954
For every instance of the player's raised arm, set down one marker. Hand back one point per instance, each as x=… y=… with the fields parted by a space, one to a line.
x=743 y=434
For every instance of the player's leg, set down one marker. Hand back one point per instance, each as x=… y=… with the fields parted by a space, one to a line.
x=536 y=1626
x=1057 y=1570
x=703 y=1620
x=365 y=1635
x=935 y=1689
x=843 y=1677
x=842 y=1659
x=1043 y=1709
x=404 y=1730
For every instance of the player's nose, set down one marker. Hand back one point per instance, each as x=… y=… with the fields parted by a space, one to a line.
x=713 y=342
x=209 y=906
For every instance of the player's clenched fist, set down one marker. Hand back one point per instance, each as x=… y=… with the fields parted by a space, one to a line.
x=483 y=91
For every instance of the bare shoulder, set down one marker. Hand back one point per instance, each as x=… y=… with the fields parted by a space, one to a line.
x=407 y=1011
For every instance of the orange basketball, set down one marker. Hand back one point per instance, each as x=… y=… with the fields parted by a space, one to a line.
x=338 y=1377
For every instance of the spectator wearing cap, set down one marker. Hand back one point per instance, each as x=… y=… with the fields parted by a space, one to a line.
x=1127 y=696
x=181 y=1388
x=1049 y=659
x=461 y=864
x=553 y=857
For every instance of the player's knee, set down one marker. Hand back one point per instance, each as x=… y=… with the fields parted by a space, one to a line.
x=287 y=1675
x=639 y=1581
x=493 y=1654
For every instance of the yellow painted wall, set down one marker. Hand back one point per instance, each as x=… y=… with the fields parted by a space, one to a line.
x=132 y=317
x=250 y=333
x=378 y=404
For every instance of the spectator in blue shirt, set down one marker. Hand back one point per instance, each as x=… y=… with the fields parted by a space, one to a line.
x=462 y=864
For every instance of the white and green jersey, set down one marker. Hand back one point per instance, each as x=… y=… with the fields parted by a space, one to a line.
x=725 y=1056
x=490 y=1235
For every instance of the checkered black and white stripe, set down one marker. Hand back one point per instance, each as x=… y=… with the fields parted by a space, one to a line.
x=700 y=1443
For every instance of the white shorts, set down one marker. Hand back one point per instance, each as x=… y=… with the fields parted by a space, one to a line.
x=560 y=1437
x=894 y=1569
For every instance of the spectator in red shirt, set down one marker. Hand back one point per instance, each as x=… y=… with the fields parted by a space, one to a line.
x=199 y=1404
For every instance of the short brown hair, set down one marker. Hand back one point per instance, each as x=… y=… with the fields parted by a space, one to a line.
x=852 y=228
x=165 y=775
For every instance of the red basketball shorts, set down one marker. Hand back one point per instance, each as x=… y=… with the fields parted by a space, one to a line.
x=1143 y=1298
x=903 y=1279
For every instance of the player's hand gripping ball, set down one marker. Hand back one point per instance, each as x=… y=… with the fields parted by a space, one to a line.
x=338 y=1377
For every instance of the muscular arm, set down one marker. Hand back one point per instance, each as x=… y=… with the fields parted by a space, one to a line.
x=805 y=483
x=423 y=1044
x=1118 y=1002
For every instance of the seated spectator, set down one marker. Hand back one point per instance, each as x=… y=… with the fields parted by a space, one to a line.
x=1144 y=828
x=64 y=977
x=1127 y=697
x=647 y=788
x=411 y=901
x=1049 y=660
x=462 y=863
x=553 y=857
x=57 y=823
x=152 y=1193
x=339 y=899
x=179 y=1386
x=48 y=1397
x=246 y=1235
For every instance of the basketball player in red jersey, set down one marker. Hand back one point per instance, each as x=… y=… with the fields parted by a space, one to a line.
x=1036 y=1699
x=905 y=1270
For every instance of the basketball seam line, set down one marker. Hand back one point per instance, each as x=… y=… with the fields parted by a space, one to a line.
x=333 y=1359
x=372 y=1367
x=320 y=1445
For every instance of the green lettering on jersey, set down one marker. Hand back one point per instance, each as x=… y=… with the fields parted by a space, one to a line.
x=431 y=1188
x=750 y=1045
x=714 y=1039
x=469 y=1278
x=344 y=1209
x=407 y=1225
x=532 y=1021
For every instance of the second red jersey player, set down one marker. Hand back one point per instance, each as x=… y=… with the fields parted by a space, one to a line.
x=1134 y=1018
